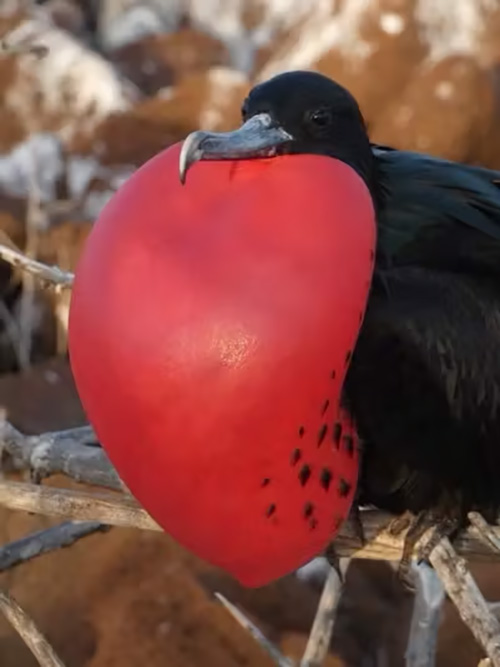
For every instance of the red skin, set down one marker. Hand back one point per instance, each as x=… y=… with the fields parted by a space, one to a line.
x=205 y=327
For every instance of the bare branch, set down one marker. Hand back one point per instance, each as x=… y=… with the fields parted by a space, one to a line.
x=118 y=509
x=484 y=530
x=44 y=541
x=29 y=633
x=380 y=545
x=427 y=607
x=73 y=453
x=322 y=629
x=111 y=509
x=464 y=593
x=254 y=631
x=65 y=452
x=51 y=275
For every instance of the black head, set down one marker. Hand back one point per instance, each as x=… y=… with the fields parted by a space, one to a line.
x=294 y=112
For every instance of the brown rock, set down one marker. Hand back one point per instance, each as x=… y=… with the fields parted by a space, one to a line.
x=393 y=51
x=129 y=138
x=209 y=100
x=157 y=61
x=447 y=110
x=66 y=14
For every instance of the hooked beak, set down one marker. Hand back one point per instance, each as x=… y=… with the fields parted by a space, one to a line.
x=257 y=137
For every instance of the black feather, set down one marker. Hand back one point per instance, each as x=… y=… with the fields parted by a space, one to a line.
x=423 y=384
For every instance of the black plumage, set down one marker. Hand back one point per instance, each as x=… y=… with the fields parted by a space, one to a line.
x=424 y=381
x=423 y=384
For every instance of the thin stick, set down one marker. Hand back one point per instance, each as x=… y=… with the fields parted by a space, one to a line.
x=45 y=541
x=29 y=633
x=484 y=530
x=322 y=629
x=113 y=510
x=122 y=510
x=254 y=631
x=51 y=275
x=470 y=604
x=426 y=617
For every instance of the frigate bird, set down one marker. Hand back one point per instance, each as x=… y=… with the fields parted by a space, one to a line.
x=423 y=384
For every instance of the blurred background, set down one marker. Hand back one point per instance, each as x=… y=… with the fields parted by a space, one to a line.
x=89 y=90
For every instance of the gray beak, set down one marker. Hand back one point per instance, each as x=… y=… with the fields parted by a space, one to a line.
x=258 y=137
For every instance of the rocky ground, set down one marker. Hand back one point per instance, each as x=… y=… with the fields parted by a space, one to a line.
x=108 y=85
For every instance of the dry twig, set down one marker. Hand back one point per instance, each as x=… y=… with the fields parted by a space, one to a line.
x=464 y=593
x=484 y=530
x=45 y=541
x=28 y=632
x=254 y=631
x=426 y=616
x=51 y=275
x=113 y=510
x=322 y=629
x=321 y=632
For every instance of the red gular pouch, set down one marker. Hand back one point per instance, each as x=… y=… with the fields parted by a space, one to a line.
x=211 y=327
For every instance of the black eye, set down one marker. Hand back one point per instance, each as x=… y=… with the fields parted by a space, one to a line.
x=244 y=110
x=320 y=118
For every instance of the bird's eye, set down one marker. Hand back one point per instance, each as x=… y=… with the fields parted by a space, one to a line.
x=244 y=110
x=319 y=117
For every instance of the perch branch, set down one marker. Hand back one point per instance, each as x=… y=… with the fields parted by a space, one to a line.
x=484 y=530
x=28 y=632
x=44 y=541
x=74 y=454
x=254 y=632
x=51 y=275
x=467 y=598
x=65 y=452
x=322 y=629
x=119 y=509
x=113 y=510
